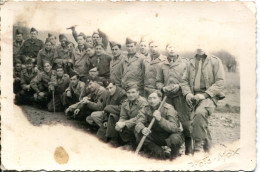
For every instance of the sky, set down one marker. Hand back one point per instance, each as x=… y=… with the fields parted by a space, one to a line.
x=214 y=26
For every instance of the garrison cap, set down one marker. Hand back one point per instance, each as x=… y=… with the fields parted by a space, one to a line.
x=33 y=30
x=82 y=34
x=18 y=31
x=131 y=86
x=62 y=36
x=59 y=66
x=28 y=61
x=129 y=41
x=73 y=73
x=47 y=40
x=97 y=43
x=95 y=33
x=112 y=44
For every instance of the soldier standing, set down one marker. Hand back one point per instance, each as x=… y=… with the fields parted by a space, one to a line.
x=32 y=46
x=45 y=54
x=202 y=85
x=132 y=67
x=61 y=51
x=115 y=73
x=152 y=65
x=18 y=42
x=169 y=79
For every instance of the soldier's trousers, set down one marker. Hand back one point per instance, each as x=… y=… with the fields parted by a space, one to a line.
x=128 y=136
x=24 y=97
x=17 y=87
x=155 y=140
x=180 y=105
x=96 y=117
x=200 y=130
x=67 y=101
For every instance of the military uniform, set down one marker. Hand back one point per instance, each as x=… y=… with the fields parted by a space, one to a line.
x=115 y=73
x=96 y=102
x=16 y=47
x=133 y=72
x=128 y=114
x=164 y=132
x=61 y=56
x=102 y=62
x=26 y=95
x=45 y=56
x=211 y=84
x=17 y=81
x=40 y=83
x=170 y=74
x=31 y=48
x=81 y=62
x=151 y=68
x=111 y=110
x=60 y=84
x=77 y=93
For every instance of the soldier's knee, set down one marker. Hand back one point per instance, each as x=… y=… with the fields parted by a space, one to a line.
x=174 y=140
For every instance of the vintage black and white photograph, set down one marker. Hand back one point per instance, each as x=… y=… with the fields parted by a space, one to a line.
x=128 y=85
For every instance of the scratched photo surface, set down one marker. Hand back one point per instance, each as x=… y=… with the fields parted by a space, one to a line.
x=38 y=133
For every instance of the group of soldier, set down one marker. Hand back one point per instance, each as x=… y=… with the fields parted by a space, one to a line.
x=119 y=95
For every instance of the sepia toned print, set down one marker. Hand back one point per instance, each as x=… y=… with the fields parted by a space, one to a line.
x=128 y=86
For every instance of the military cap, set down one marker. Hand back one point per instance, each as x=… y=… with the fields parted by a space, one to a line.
x=47 y=40
x=82 y=34
x=18 y=31
x=94 y=33
x=112 y=44
x=62 y=36
x=97 y=43
x=46 y=61
x=33 y=30
x=50 y=35
x=69 y=42
x=18 y=61
x=131 y=86
x=73 y=73
x=59 y=66
x=129 y=41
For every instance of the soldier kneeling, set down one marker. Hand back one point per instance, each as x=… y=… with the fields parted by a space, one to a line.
x=165 y=137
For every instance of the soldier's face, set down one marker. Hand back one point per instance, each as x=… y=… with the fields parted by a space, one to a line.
x=81 y=40
x=63 y=42
x=132 y=94
x=74 y=80
x=34 y=35
x=60 y=72
x=19 y=37
x=143 y=47
x=70 y=47
x=93 y=73
x=52 y=40
x=171 y=51
x=29 y=66
x=90 y=52
x=92 y=85
x=200 y=52
x=48 y=46
x=154 y=100
x=95 y=37
x=18 y=67
x=111 y=89
x=131 y=48
x=115 y=51
x=154 y=48
x=89 y=41
x=99 y=50
x=47 y=67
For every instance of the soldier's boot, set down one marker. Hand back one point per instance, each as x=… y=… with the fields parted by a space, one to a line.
x=101 y=133
x=156 y=151
x=199 y=146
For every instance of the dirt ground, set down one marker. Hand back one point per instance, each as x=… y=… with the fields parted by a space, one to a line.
x=224 y=123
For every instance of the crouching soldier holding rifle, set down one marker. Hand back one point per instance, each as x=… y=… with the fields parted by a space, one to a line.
x=164 y=139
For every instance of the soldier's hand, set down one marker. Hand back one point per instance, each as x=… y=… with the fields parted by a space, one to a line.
x=199 y=97
x=157 y=115
x=76 y=112
x=68 y=93
x=146 y=131
x=41 y=94
x=67 y=111
x=28 y=87
x=51 y=88
x=33 y=60
x=120 y=126
x=189 y=98
x=175 y=88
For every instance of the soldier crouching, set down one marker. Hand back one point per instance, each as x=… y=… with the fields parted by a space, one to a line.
x=165 y=138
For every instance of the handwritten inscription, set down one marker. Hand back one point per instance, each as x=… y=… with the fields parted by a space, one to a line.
x=220 y=157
